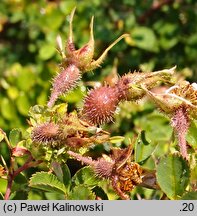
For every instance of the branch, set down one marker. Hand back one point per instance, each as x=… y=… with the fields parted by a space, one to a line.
x=157 y=5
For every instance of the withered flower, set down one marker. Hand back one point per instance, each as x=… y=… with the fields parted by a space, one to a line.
x=123 y=174
x=180 y=103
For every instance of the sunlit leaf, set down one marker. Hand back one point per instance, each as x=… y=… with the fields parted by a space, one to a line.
x=143 y=148
x=190 y=196
x=144 y=38
x=15 y=136
x=81 y=192
x=173 y=175
x=46 y=51
x=85 y=176
x=23 y=104
x=47 y=182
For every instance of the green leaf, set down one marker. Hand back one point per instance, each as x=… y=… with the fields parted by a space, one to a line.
x=34 y=195
x=190 y=196
x=23 y=104
x=74 y=96
x=191 y=134
x=47 y=182
x=54 y=196
x=47 y=51
x=62 y=172
x=173 y=175
x=19 y=195
x=66 y=176
x=144 y=38
x=156 y=125
x=99 y=192
x=25 y=80
x=168 y=34
x=81 y=192
x=85 y=176
x=12 y=92
x=116 y=139
x=15 y=136
x=1 y=196
x=20 y=179
x=39 y=114
x=143 y=148
x=7 y=109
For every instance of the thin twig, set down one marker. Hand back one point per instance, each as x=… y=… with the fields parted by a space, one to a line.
x=157 y=5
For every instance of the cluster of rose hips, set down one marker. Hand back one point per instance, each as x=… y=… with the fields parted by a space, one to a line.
x=100 y=104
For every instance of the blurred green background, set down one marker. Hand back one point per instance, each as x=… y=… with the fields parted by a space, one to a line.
x=163 y=34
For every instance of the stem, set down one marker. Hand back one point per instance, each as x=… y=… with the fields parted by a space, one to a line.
x=85 y=160
x=183 y=145
x=180 y=122
x=9 y=186
x=12 y=174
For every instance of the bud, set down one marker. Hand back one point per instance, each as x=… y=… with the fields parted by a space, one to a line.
x=65 y=81
x=45 y=133
x=83 y=57
x=130 y=85
x=100 y=105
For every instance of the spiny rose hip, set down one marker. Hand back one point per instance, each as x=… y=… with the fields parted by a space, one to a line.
x=103 y=168
x=100 y=105
x=130 y=85
x=64 y=82
x=45 y=133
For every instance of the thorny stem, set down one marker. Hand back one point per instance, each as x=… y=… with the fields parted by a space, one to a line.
x=9 y=186
x=12 y=174
x=180 y=122
x=183 y=145
x=85 y=160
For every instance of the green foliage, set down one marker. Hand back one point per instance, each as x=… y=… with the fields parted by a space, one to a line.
x=190 y=196
x=143 y=148
x=81 y=192
x=160 y=37
x=15 y=136
x=48 y=182
x=85 y=176
x=173 y=175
